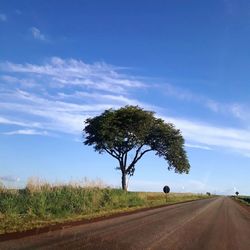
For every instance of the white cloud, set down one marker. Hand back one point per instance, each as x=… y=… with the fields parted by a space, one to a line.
x=237 y=140
x=36 y=33
x=61 y=94
x=197 y=146
x=240 y=111
x=214 y=106
x=234 y=109
x=3 y=17
x=111 y=98
x=180 y=93
x=71 y=91
x=26 y=132
x=61 y=73
x=186 y=95
x=66 y=117
x=6 y=121
x=26 y=83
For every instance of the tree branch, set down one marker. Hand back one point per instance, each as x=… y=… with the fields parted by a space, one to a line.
x=115 y=153
x=125 y=160
x=147 y=150
x=112 y=153
x=137 y=157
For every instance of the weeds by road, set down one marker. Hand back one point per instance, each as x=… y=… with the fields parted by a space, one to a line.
x=41 y=204
x=243 y=199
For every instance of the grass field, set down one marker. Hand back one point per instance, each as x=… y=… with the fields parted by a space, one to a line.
x=41 y=204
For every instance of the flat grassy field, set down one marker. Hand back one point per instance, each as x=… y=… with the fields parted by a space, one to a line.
x=45 y=204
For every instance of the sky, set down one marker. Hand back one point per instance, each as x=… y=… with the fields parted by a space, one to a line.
x=64 y=61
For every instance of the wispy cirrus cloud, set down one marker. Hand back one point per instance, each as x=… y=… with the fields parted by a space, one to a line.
x=26 y=132
x=6 y=121
x=234 y=109
x=37 y=34
x=65 y=117
x=61 y=73
x=198 y=146
x=187 y=95
x=213 y=137
x=60 y=94
x=26 y=83
x=121 y=99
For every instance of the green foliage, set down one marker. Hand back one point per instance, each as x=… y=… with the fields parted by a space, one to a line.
x=244 y=199
x=247 y=199
x=23 y=209
x=64 y=201
x=132 y=130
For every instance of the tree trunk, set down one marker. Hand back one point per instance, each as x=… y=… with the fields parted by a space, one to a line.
x=124 y=184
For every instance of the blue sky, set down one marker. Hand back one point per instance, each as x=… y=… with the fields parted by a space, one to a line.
x=186 y=60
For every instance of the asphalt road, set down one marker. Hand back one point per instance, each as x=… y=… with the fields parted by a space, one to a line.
x=217 y=223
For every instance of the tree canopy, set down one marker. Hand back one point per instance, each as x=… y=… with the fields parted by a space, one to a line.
x=131 y=130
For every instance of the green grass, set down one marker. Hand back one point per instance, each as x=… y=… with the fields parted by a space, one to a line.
x=45 y=204
x=243 y=199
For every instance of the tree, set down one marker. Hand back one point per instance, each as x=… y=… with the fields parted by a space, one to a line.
x=132 y=132
x=237 y=193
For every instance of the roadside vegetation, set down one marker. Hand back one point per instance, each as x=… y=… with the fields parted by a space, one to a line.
x=243 y=199
x=41 y=203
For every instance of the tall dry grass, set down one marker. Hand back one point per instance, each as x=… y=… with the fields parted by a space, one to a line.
x=35 y=184
x=43 y=199
x=42 y=202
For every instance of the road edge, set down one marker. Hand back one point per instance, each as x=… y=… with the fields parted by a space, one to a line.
x=245 y=206
x=62 y=225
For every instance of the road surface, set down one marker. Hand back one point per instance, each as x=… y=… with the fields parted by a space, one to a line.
x=216 y=223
